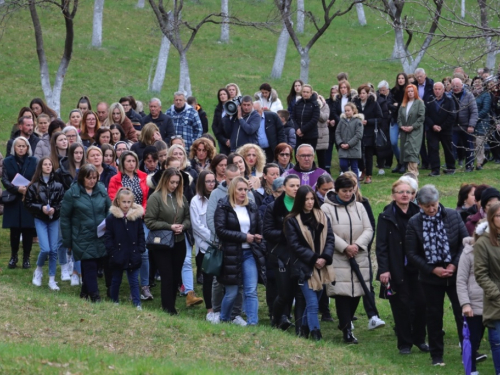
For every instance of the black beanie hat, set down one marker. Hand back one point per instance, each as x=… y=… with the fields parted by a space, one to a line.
x=487 y=195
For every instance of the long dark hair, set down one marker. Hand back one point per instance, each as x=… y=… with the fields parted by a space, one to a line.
x=201 y=187
x=230 y=159
x=292 y=93
x=219 y=103
x=71 y=158
x=118 y=127
x=38 y=171
x=300 y=200
x=45 y=108
x=397 y=86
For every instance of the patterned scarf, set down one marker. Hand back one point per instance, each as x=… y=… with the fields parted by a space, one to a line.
x=436 y=246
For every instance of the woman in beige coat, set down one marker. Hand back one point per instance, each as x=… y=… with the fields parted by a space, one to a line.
x=353 y=233
x=323 y=133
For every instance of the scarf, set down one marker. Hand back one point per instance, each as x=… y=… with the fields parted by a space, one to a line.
x=326 y=275
x=436 y=246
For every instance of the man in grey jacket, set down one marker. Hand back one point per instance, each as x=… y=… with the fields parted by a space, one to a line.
x=232 y=171
x=467 y=116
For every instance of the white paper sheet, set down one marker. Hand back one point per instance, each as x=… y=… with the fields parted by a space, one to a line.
x=19 y=180
x=101 y=229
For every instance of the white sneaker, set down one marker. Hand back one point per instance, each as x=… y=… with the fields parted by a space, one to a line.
x=352 y=326
x=65 y=275
x=69 y=267
x=375 y=322
x=53 y=285
x=139 y=308
x=239 y=321
x=381 y=172
x=37 y=278
x=210 y=317
x=75 y=280
x=216 y=318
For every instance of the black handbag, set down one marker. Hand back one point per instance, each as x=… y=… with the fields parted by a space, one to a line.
x=382 y=145
x=160 y=238
x=8 y=197
x=212 y=260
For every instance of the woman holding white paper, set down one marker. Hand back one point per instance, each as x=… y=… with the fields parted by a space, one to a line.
x=16 y=216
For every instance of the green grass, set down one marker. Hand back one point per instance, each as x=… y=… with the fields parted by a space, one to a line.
x=57 y=333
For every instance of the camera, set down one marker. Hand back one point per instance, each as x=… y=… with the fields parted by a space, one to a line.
x=231 y=106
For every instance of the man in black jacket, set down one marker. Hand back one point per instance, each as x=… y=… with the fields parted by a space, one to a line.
x=439 y=119
x=271 y=131
x=191 y=100
x=425 y=91
x=25 y=125
x=164 y=122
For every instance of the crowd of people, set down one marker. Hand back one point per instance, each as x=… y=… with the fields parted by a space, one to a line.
x=115 y=189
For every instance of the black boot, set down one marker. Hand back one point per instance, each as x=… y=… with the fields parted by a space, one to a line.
x=397 y=169
x=13 y=260
x=316 y=335
x=95 y=298
x=349 y=337
x=304 y=332
x=284 y=323
x=26 y=262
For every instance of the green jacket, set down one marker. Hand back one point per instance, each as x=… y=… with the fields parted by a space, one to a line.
x=161 y=216
x=411 y=142
x=487 y=272
x=81 y=214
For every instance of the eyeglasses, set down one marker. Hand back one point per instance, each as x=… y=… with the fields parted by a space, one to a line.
x=71 y=136
x=283 y=154
x=309 y=156
x=403 y=192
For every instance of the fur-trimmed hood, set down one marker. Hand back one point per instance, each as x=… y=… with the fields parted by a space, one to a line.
x=272 y=98
x=468 y=243
x=357 y=115
x=135 y=212
x=153 y=178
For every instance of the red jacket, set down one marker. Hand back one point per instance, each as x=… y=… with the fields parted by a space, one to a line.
x=116 y=183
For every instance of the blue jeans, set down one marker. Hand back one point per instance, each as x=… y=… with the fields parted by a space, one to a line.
x=133 y=281
x=48 y=237
x=345 y=163
x=310 y=317
x=394 y=135
x=187 y=269
x=144 y=270
x=494 y=338
x=251 y=302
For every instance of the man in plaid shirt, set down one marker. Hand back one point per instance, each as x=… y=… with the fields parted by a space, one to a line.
x=187 y=123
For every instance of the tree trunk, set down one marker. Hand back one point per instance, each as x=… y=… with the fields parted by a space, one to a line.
x=361 y=14
x=161 y=65
x=184 y=79
x=300 y=16
x=304 y=65
x=140 y=4
x=395 y=54
x=280 y=57
x=97 y=24
x=491 y=57
x=463 y=9
x=402 y=54
x=224 y=27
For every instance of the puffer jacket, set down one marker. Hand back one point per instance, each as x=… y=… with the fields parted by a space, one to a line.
x=414 y=245
x=323 y=131
x=306 y=115
x=302 y=257
x=351 y=225
x=468 y=291
x=219 y=132
x=273 y=104
x=467 y=114
x=124 y=237
x=107 y=172
x=350 y=132
x=63 y=175
x=276 y=241
x=42 y=147
x=231 y=237
x=41 y=193
x=487 y=272
x=373 y=115
x=483 y=102
x=81 y=214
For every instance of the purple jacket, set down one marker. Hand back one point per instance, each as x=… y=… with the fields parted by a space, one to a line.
x=306 y=177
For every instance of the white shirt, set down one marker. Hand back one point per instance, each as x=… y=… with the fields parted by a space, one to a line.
x=408 y=107
x=244 y=220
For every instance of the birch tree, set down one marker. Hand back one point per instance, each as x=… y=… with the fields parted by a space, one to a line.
x=281 y=48
x=140 y=4
x=97 y=24
x=161 y=66
x=327 y=15
x=68 y=10
x=300 y=16
x=361 y=14
x=224 y=27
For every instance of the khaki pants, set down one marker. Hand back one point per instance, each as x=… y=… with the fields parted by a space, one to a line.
x=413 y=168
x=479 y=149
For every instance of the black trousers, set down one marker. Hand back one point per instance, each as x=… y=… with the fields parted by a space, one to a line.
x=89 y=277
x=346 y=307
x=288 y=289
x=301 y=141
x=366 y=161
x=434 y=300
x=324 y=302
x=321 y=154
x=408 y=309
x=476 y=329
x=15 y=239
x=423 y=152
x=433 y=140
x=269 y=154
x=271 y=289
x=169 y=262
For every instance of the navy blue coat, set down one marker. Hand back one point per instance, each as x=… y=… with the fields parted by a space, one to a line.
x=124 y=238
x=15 y=215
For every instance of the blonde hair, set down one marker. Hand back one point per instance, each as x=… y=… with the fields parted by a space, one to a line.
x=122 y=191
x=352 y=176
x=232 y=190
x=261 y=156
x=162 y=186
x=147 y=133
x=186 y=162
x=112 y=107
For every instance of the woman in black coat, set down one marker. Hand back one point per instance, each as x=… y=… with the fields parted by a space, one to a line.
x=368 y=106
x=305 y=116
x=239 y=228
x=312 y=242
x=433 y=244
x=217 y=127
x=399 y=278
x=16 y=217
x=397 y=94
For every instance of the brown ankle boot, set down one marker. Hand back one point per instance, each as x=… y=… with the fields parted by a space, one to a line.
x=192 y=300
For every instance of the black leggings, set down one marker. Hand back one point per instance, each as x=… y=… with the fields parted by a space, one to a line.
x=15 y=239
x=207 y=281
x=288 y=289
x=346 y=307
